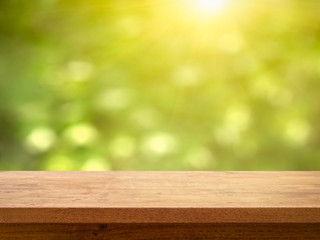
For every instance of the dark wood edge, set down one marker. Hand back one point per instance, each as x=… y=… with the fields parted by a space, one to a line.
x=243 y=231
x=160 y=215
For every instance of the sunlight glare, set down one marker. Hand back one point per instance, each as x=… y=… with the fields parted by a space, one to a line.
x=210 y=7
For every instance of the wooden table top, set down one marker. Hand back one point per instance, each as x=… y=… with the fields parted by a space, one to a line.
x=159 y=197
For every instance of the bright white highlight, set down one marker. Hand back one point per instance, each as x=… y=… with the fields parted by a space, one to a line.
x=210 y=7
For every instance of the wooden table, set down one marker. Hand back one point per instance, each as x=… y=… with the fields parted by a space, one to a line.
x=159 y=205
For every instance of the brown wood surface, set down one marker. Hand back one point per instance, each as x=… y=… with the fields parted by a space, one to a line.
x=160 y=197
x=159 y=231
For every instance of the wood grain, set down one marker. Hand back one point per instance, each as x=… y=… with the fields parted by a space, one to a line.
x=160 y=231
x=159 y=197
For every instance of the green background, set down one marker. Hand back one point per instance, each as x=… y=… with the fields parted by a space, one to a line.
x=159 y=85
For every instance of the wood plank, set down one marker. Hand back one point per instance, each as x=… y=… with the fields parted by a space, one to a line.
x=159 y=231
x=159 y=197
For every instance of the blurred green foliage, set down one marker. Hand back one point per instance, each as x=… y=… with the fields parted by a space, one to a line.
x=159 y=85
